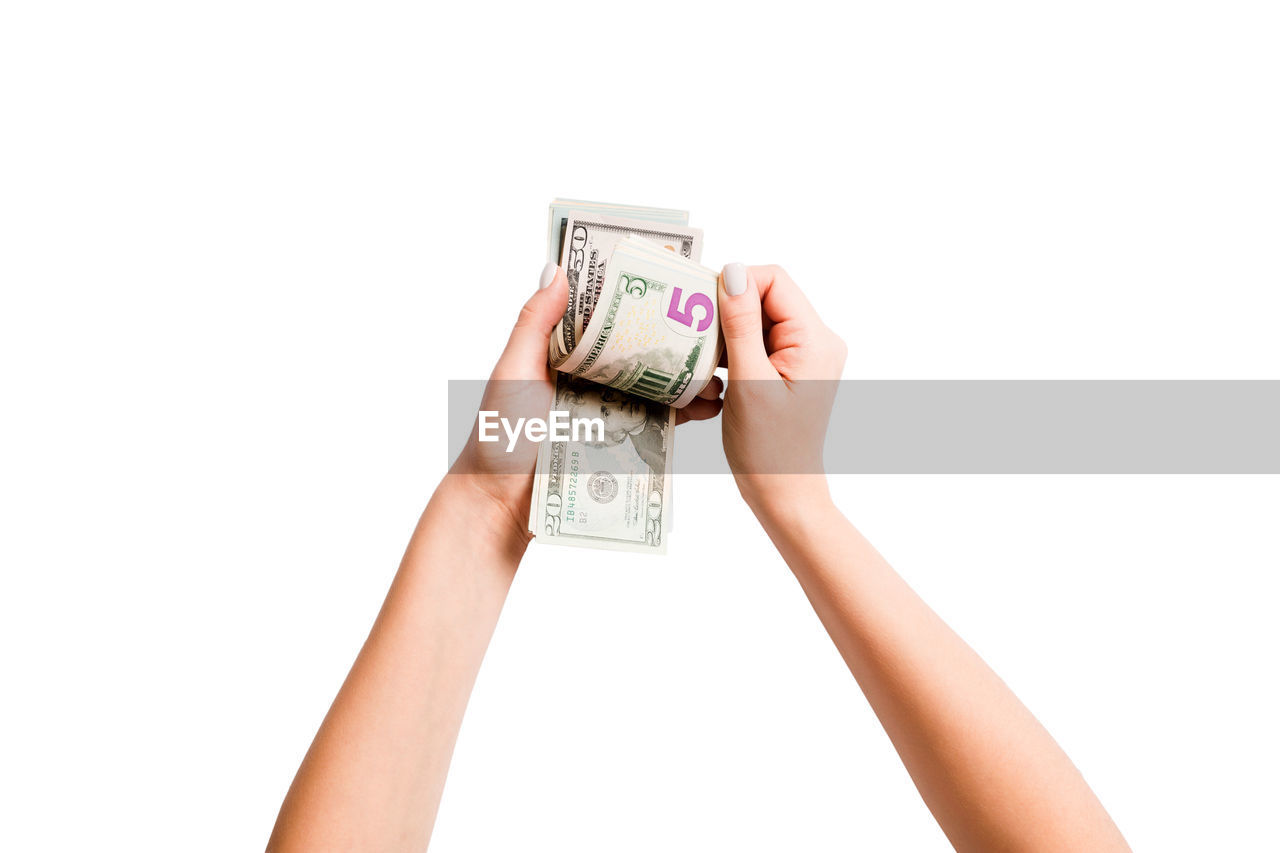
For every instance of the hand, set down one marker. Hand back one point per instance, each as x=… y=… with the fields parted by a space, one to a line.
x=784 y=364
x=521 y=386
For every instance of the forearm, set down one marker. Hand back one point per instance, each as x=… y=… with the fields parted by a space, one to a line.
x=376 y=769
x=989 y=772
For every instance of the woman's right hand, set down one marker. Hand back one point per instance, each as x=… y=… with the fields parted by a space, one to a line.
x=784 y=365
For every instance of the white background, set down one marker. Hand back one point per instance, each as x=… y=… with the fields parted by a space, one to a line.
x=243 y=246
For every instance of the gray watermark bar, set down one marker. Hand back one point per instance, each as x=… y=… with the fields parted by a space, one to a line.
x=1004 y=427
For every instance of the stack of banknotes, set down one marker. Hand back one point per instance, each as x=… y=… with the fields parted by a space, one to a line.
x=639 y=339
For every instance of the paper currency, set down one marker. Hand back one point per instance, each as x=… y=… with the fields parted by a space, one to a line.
x=561 y=208
x=654 y=331
x=589 y=241
x=589 y=238
x=640 y=337
x=613 y=493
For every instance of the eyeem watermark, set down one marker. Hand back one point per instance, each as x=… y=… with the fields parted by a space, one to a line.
x=559 y=427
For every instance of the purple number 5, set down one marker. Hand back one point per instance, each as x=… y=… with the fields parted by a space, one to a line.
x=685 y=315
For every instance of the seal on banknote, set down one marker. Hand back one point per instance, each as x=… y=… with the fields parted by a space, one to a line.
x=602 y=487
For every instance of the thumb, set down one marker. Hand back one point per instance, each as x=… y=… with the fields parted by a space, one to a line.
x=741 y=327
x=526 y=354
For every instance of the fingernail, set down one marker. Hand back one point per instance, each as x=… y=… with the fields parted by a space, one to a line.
x=735 y=279
x=548 y=276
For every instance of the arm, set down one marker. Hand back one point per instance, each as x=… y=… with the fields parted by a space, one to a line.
x=375 y=772
x=991 y=775
x=373 y=777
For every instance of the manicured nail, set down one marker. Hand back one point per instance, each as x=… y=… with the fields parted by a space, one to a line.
x=735 y=279
x=548 y=276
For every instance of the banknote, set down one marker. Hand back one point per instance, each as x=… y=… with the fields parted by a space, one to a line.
x=589 y=241
x=561 y=208
x=655 y=331
x=611 y=492
x=640 y=338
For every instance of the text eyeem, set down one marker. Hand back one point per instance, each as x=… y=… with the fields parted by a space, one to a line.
x=558 y=427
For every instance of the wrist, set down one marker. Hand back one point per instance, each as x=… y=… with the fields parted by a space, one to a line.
x=486 y=509
x=788 y=501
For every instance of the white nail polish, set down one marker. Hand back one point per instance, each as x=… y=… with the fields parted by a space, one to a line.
x=548 y=276
x=735 y=279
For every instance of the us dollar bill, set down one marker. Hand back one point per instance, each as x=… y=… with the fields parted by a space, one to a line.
x=562 y=209
x=589 y=242
x=589 y=238
x=613 y=490
x=654 y=330
x=640 y=337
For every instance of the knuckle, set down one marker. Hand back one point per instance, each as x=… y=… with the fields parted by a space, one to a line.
x=738 y=324
x=778 y=272
x=527 y=316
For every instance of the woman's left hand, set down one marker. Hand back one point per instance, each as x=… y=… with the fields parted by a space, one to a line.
x=521 y=386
